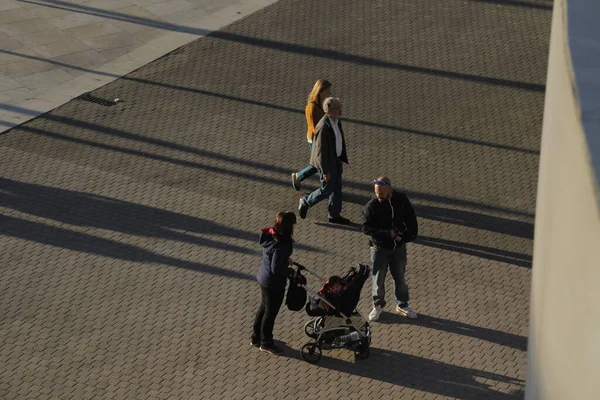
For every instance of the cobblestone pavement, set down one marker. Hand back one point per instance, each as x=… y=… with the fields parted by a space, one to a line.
x=129 y=232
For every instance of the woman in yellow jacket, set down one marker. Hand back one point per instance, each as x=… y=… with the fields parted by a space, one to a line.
x=313 y=112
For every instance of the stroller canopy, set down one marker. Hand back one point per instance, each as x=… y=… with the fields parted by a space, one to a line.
x=355 y=280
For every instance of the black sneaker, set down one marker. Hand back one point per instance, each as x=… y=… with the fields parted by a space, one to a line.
x=339 y=220
x=271 y=349
x=254 y=342
x=295 y=182
x=302 y=209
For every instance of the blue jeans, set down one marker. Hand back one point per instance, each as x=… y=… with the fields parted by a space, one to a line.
x=308 y=171
x=331 y=189
x=395 y=260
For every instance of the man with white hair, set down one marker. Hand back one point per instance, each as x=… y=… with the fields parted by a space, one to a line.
x=328 y=154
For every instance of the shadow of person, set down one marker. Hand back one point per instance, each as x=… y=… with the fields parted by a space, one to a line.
x=490 y=335
x=87 y=209
x=350 y=227
x=418 y=373
x=490 y=253
x=471 y=219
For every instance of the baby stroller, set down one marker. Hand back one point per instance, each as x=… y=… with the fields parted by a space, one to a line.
x=340 y=324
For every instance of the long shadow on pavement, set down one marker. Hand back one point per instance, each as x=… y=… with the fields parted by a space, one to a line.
x=395 y=128
x=85 y=209
x=257 y=103
x=418 y=373
x=519 y=3
x=224 y=157
x=354 y=227
x=490 y=253
x=466 y=218
x=85 y=243
x=219 y=156
x=286 y=47
x=516 y=342
x=461 y=217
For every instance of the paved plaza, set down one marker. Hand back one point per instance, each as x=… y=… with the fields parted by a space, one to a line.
x=52 y=51
x=128 y=246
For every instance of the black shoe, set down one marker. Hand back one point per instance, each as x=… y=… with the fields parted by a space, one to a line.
x=255 y=342
x=295 y=182
x=271 y=349
x=339 y=220
x=302 y=209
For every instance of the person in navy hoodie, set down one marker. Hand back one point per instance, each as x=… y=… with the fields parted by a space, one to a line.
x=278 y=245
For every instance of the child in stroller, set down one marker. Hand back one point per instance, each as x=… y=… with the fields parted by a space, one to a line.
x=330 y=292
x=338 y=323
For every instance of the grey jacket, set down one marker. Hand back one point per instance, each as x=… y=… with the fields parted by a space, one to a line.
x=323 y=155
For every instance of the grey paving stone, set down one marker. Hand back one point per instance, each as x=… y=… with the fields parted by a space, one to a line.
x=91 y=31
x=212 y=5
x=24 y=27
x=8 y=5
x=6 y=83
x=74 y=19
x=185 y=17
x=133 y=19
x=114 y=53
x=50 y=12
x=26 y=66
x=13 y=15
x=108 y=4
x=44 y=79
x=169 y=7
x=8 y=43
x=147 y=2
x=80 y=60
x=41 y=38
x=10 y=56
x=61 y=48
x=113 y=41
x=18 y=95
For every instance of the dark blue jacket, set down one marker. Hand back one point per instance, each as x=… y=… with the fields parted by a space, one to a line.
x=273 y=270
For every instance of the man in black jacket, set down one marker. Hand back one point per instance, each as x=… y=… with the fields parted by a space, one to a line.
x=390 y=221
x=327 y=155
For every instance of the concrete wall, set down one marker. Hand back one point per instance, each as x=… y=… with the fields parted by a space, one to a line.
x=564 y=336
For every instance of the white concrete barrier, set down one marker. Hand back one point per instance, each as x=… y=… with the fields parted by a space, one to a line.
x=564 y=334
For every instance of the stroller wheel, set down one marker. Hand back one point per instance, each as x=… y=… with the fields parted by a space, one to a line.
x=362 y=352
x=367 y=340
x=309 y=328
x=311 y=353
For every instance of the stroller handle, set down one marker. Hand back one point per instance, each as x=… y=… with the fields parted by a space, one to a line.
x=300 y=266
x=310 y=271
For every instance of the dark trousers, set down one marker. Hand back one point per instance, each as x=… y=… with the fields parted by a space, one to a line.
x=266 y=314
